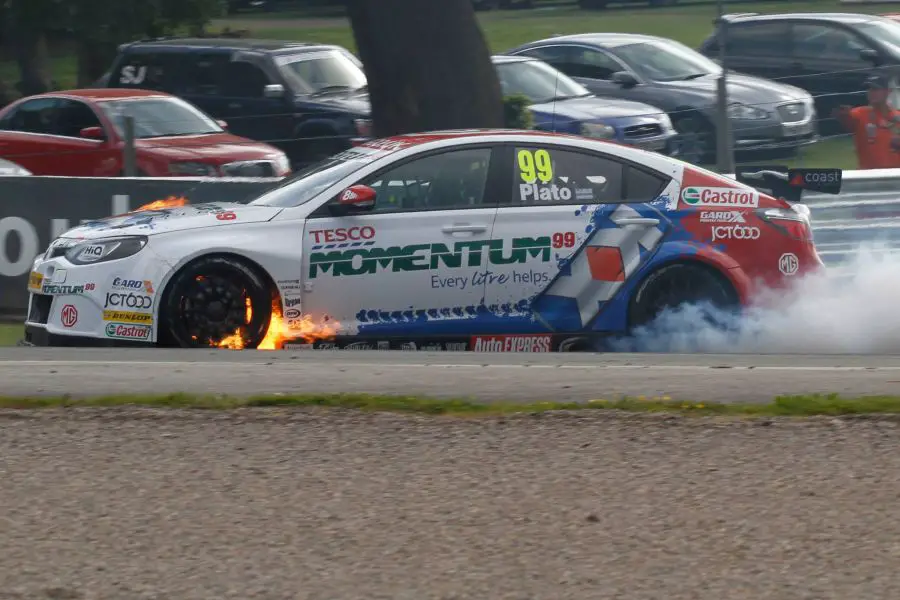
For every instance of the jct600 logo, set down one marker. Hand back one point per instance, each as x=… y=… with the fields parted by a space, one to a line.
x=138 y=301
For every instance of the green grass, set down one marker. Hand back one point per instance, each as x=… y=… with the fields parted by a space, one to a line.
x=10 y=334
x=790 y=406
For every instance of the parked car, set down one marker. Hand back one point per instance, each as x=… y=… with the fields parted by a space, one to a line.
x=80 y=133
x=665 y=73
x=10 y=169
x=830 y=55
x=565 y=106
x=519 y=241
x=600 y=4
x=310 y=100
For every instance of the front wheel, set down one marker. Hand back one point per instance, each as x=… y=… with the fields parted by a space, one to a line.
x=216 y=302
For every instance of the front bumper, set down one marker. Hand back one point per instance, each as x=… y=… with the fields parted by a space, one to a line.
x=103 y=304
x=773 y=135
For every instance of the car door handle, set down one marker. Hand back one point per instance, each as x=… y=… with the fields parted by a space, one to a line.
x=637 y=221
x=464 y=228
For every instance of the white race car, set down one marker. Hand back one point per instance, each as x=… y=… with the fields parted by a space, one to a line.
x=481 y=240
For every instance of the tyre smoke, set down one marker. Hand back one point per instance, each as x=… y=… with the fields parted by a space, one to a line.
x=850 y=309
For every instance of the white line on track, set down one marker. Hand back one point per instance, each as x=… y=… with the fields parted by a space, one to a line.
x=378 y=365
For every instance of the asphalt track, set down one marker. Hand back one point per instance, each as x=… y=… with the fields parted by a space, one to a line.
x=84 y=372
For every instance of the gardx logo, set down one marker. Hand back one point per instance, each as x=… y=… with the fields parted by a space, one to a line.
x=139 y=301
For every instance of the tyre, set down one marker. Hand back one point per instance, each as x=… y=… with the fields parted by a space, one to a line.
x=212 y=299
x=679 y=284
x=697 y=139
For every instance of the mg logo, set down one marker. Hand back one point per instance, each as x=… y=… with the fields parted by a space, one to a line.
x=69 y=316
x=788 y=264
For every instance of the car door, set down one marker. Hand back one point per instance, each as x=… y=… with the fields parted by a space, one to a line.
x=573 y=227
x=38 y=135
x=827 y=63
x=588 y=66
x=247 y=110
x=205 y=82
x=413 y=265
x=760 y=48
x=85 y=157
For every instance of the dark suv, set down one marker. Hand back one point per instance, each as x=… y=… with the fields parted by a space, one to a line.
x=310 y=100
x=830 y=55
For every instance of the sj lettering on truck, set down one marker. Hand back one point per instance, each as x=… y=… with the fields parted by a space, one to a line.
x=425 y=257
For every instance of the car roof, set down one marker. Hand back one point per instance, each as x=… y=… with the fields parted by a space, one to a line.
x=609 y=40
x=230 y=44
x=848 y=18
x=101 y=94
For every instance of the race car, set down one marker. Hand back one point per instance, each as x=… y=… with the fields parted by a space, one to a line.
x=481 y=240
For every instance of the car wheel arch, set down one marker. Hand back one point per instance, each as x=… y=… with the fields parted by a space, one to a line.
x=249 y=263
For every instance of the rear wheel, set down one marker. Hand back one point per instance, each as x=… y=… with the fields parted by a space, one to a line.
x=216 y=302
x=677 y=285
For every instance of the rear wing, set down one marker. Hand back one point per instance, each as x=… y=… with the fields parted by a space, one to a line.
x=789 y=184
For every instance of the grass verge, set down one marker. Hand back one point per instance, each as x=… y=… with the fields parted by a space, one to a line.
x=796 y=406
x=10 y=334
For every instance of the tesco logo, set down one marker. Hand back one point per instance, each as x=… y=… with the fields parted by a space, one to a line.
x=716 y=197
x=353 y=234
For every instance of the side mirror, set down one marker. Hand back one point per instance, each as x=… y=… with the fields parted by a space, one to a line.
x=870 y=55
x=274 y=90
x=624 y=78
x=357 y=197
x=92 y=133
x=222 y=124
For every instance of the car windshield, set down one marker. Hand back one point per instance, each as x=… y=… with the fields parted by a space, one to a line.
x=306 y=184
x=321 y=72
x=538 y=81
x=159 y=117
x=666 y=61
x=887 y=32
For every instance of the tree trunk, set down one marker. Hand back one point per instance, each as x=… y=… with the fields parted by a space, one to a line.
x=93 y=60
x=30 y=48
x=428 y=66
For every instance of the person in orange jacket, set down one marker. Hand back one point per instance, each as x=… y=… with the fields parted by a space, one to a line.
x=875 y=128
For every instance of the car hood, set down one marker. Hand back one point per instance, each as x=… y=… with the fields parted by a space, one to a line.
x=164 y=220
x=351 y=103
x=741 y=88
x=216 y=147
x=596 y=107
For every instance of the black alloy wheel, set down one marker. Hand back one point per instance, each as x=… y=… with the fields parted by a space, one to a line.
x=215 y=300
x=678 y=285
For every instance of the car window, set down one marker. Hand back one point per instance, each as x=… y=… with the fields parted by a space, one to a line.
x=446 y=181
x=666 y=60
x=827 y=42
x=32 y=116
x=759 y=39
x=643 y=186
x=317 y=72
x=73 y=116
x=593 y=64
x=552 y=176
x=159 y=117
x=537 y=81
x=148 y=71
x=244 y=80
x=205 y=73
x=554 y=55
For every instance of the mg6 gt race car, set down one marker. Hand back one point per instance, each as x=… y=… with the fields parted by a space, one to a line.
x=478 y=240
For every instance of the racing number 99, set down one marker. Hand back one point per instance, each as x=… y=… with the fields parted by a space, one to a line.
x=535 y=165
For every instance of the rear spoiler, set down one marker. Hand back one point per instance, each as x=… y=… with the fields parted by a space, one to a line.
x=789 y=184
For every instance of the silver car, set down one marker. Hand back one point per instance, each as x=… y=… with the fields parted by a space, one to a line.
x=764 y=115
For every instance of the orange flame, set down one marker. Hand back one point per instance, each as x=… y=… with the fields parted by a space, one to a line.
x=170 y=202
x=304 y=329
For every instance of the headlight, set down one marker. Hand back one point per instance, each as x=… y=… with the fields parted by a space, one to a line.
x=363 y=127
x=106 y=249
x=281 y=163
x=192 y=169
x=747 y=113
x=598 y=130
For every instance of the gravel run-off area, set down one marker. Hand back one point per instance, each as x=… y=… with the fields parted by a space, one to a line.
x=137 y=504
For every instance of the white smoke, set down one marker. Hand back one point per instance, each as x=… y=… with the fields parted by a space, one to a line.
x=851 y=309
